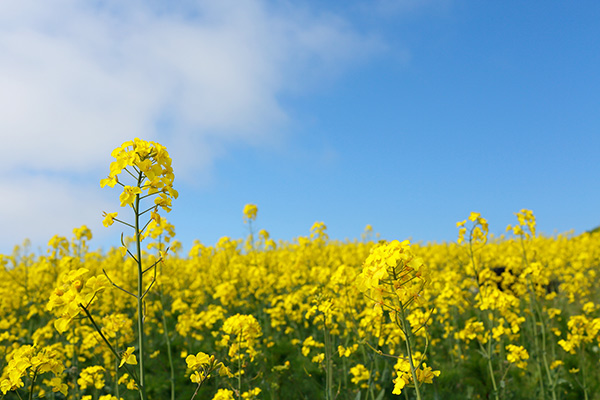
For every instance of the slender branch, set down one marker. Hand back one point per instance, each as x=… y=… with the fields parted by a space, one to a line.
x=146 y=225
x=148 y=289
x=32 y=384
x=148 y=195
x=128 y=252
x=124 y=223
x=111 y=348
x=140 y=295
x=425 y=323
x=117 y=286
x=129 y=172
x=155 y=263
x=168 y=342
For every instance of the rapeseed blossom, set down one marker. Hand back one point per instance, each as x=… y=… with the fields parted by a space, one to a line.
x=128 y=357
x=360 y=375
x=250 y=211
x=26 y=360
x=241 y=333
x=74 y=294
x=392 y=271
x=517 y=355
x=149 y=164
x=265 y=313
x=92 y=377
x=478 y=232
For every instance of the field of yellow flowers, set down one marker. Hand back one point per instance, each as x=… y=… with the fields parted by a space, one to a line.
x=514 y=317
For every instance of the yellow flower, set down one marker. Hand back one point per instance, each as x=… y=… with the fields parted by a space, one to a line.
x=360 y=374
x=251 y=394
x=556 y=364
x=347 y=351
x=479 y=229
x=392 y=271
x=92 y=376
x=82 y=233
x=224 y=371
x=150 y=166
x=196 y=361
x=474 y=216
x=163 y=202
x=250 y=211
x=399 y=382
x=318 y=358
x=526 y=226
x=196 y=377
x=128 y=195
x=109 y=218
x=223 y=394
x=110 y=181
x=426 y=374
x=58 y=385
x=517 y=355
x=97 y=283
x=130 y=383
x=128 y=357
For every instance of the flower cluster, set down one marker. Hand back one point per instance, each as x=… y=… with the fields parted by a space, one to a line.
x=92 y=377
x=517 y=355
x=241 y=335
x=26 y=359
x=250 y=211
x=582 y=330
x=202 y=366
x=392 y=271
x=74 y=294
x=424 y=373
x=479 y=229
x=526 y=225
x=149 y=164
x=290 y=318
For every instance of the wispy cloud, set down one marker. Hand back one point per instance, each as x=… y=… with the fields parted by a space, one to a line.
x=79 y=78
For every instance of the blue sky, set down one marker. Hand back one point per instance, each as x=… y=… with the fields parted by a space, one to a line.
x=403 y=114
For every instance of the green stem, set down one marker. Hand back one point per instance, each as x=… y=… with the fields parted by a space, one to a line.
x=491 y=367
x=140 y=293
x=489 y=329
x=407 y=334
x=75 y=363
x=239 y=393
x=110 y=347
x=583 y=371
x=168 y=341
x=117 y=367
x=328 y=363
x=32 y=384
x=535 y=311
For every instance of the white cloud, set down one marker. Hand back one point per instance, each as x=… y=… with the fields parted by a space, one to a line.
x=79 y=78
x=40 y=207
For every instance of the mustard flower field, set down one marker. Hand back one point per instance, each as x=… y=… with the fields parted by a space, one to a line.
x=512 y=317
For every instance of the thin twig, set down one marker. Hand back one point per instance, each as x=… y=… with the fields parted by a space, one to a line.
x=117 y=286
x=87 y=313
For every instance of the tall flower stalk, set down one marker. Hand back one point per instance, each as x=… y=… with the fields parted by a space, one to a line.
x=149 y=166
x=394 y=278
x=477 y=238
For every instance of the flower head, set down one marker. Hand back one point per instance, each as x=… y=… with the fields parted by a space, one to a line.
x=517 y=355
x=128 y=357
x=149 y=164
x=250 y=211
